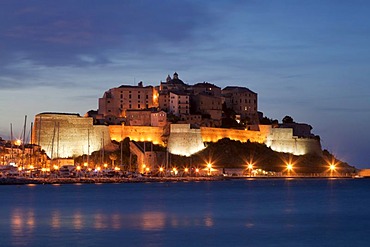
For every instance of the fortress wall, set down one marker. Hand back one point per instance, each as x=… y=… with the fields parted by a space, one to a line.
x=282 y=140
x=215 y=134
x=184 y=141
x=137 y=133
x=71 y=134
x=74 y=132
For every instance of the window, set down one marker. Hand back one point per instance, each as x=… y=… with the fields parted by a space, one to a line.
x=147 y=96
x=138 y=96
x=138 y=105
x=108 y=101
x=121 y=96
x=129 y=106
x=129 y=96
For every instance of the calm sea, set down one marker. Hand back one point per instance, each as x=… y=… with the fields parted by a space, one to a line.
x=299 y=212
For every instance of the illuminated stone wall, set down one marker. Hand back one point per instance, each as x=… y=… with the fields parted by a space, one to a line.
x=74 y=132
x=68 y=135
x=137 y=133
x=282 y=140
x=184 y=141
x=215 y=134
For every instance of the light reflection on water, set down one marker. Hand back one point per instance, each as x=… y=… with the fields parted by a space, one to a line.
x=23 y=221
x=165 y=214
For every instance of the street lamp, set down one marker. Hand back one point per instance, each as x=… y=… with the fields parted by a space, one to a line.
x=289 y=167
x=161 y=169
x=332 y=169
x=209 y=166
x=250 y=168
x=78 y=168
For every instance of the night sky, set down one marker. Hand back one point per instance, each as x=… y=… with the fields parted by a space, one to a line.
x=307 y=59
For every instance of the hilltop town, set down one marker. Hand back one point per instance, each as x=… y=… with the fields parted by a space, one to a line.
x=176 y=118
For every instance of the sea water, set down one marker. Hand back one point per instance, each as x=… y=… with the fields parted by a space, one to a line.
x=261 y=212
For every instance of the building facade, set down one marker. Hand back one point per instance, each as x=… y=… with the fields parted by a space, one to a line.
x=243 y=101
x=116 y=101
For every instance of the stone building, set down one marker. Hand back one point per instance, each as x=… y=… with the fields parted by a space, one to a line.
x=243 y=101
x=179 y=103
x=208 y=105
x=158 y=119
x=116 y=101
x=138 y=117
x=146 y=118
x=172 y=84
x=206 y=88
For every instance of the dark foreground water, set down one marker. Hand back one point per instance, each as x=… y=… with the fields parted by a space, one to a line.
x=229 y=213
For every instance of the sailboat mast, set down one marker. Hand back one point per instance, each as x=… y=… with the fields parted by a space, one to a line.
x=52 y=143
x=88 y=145
x=39 y=132
x=24 y=139
x=58 y=140
x=11 y=142
x=31 y=154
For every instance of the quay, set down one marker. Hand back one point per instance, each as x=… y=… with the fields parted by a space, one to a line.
x=99 y=180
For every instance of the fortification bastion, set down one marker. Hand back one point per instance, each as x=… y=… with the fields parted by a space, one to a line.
x=68 y=135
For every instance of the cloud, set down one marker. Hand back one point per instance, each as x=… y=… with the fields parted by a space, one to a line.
x=56 y=34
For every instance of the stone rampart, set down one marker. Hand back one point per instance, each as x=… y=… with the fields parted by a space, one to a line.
x=137 y=133
x=68 y=135
x=184 y=141
x=216 y=134
x=282 y=140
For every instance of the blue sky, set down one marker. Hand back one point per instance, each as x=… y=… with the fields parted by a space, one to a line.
x=306 y=59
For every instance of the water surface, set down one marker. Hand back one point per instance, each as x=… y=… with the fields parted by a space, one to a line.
x=298 y=212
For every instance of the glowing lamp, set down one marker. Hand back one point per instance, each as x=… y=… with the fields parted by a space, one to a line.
x=289 y=167
x=332 y=167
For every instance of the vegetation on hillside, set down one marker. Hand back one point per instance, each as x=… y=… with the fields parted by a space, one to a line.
x=234 y=154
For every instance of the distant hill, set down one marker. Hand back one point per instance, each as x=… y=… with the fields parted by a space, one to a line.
x=233 y=154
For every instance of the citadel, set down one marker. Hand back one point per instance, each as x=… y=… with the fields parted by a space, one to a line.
x=175 y=115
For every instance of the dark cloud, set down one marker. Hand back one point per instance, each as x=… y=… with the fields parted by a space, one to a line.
x=57 y=32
